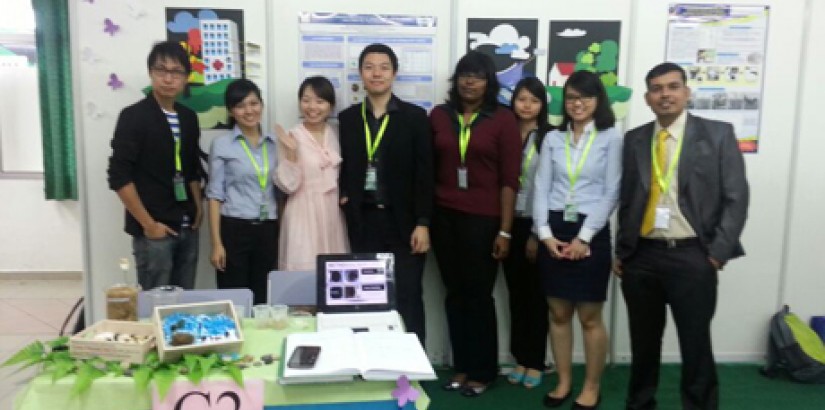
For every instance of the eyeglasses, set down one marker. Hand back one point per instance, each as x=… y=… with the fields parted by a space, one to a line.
x=584 y=99
x=163 y=72
x=472 y=76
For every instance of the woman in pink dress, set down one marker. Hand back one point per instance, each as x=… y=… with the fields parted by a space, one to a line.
x=309 y=158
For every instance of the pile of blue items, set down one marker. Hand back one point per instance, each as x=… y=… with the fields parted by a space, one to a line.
x=182 y=328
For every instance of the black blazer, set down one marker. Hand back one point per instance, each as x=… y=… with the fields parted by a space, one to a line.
x=406 y=170
x=143 y=153
x=713 y=190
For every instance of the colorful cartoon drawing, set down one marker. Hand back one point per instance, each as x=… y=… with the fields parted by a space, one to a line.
x=214 y=39
x=589 y=45
x=511 y=45
x=584 y=45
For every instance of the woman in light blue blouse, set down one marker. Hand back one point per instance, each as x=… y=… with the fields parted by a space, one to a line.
x=576 y=190
x=242 y=208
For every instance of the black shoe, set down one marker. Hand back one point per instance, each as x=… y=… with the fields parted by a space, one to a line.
x=577 y=406
x=474 y=391
x=556 y=401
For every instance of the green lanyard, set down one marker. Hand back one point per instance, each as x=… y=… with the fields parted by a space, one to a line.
x=664 y=183
x=372 y=146
x=262 y=176
x=464 y=135
x=525 y=165
x=178 y=167
x=571 y=175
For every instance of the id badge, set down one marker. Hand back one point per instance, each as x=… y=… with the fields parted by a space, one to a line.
x=462 y=178
x=371 y=181
x=571 y=213
x=662 y=220
x=264 y=213
x=521 y=201
x=180 y=187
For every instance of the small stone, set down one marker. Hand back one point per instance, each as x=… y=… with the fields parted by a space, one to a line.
x=182 y=339
x=127 y=372
x=257 y=364
x=248 y=359
x=183 y=370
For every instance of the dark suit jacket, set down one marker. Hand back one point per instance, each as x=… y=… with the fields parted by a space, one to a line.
x=406 y=170
x=143 y=153
x=713 y=190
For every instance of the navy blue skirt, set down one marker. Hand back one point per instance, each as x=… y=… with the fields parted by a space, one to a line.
x=584 y=280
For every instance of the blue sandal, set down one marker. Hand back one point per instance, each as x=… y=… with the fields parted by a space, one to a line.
x=532 y=381
x=516 y=377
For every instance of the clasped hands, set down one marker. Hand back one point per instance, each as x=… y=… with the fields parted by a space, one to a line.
x=573 y=250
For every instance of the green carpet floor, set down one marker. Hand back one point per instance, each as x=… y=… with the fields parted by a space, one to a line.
x=741 y=387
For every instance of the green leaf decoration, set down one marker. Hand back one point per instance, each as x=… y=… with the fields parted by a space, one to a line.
x=164 y=379
x=114 y=368
x=235 y=373
x=194 y=369
x=86 y=374
x=31 y=354
x=62 y=368
x=152 y=359
x=588 y=59
x=143 y=375
x=60 y=341
x=208 y=362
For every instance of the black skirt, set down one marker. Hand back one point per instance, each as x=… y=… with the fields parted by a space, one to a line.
x=584 y=280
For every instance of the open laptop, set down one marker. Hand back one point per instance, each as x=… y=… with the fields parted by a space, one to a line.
x=357 y=291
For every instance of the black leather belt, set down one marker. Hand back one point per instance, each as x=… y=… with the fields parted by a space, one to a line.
x=670 y=243
x=247 y=221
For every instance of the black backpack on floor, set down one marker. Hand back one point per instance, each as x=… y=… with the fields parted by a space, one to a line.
x=794 y=348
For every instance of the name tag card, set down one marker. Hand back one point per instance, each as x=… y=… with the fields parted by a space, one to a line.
x=662 y=220
x=462 y=178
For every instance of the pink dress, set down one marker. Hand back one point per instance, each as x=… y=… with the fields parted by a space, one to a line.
x=312 y=222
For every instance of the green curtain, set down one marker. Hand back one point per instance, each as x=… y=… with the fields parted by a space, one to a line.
x=54 y=67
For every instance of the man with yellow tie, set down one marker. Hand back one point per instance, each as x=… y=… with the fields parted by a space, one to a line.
x=682 y=207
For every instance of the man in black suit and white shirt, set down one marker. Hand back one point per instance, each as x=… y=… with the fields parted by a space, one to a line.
x=386 y=179
x=683 y=205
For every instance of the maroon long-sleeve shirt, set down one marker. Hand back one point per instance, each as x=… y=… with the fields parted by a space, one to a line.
x=493 y=159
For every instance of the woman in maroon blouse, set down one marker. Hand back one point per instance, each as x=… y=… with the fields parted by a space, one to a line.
x=477 y=150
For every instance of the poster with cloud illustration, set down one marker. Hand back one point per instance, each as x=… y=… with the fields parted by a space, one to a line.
x=511 y=43
x=584 y=45
x=214 y=40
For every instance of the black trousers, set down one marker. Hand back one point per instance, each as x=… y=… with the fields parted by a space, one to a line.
x=682 y=277
x=463 y=245
x=251 y=253
x=528 y=306
x=382 y=234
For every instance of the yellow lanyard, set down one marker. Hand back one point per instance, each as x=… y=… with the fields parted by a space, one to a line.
x=262 y=176
x=525 y=165
x=664 y=182
x=573 y=177
x=372 y=146
x=464 y=135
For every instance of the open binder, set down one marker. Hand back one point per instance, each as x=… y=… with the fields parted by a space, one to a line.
x=345 y=354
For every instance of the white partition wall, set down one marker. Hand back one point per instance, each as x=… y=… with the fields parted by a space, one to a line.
x=98 y=56
x=748 y=287
x=783 y=233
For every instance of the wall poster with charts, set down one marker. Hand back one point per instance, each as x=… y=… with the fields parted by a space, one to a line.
x=331 y=42
x=722 y=49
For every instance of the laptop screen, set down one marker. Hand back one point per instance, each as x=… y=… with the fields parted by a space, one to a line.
x=358 y=282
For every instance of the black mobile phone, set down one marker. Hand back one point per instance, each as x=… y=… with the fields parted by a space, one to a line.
x=304 y=357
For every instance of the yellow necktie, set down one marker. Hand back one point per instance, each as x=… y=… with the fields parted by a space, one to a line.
x=655 y=191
